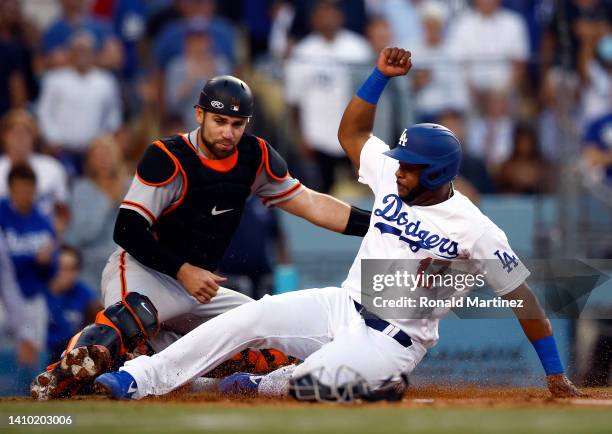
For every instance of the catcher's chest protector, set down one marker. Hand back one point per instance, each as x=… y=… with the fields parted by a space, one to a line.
x=200 y=229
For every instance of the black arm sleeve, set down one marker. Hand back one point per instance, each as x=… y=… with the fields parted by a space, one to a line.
x=132 y=232
x=358 y=222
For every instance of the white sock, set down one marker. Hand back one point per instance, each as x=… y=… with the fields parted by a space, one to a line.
x=204 y=384
x=276 y=383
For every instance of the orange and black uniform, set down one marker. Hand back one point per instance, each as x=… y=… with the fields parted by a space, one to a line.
x=192 y=229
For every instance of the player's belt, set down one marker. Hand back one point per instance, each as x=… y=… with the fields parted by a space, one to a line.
x=383 y=326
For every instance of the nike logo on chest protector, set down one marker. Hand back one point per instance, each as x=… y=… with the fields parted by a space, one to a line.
x=221 y=211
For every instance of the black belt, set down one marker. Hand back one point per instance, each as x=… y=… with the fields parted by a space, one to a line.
x=383 y=326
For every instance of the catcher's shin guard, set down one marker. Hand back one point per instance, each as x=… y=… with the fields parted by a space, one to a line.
x=118 y=328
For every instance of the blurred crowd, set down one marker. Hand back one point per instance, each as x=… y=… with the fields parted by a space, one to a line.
x=86 y=85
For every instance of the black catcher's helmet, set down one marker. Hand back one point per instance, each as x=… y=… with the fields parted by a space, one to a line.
x=227 y=95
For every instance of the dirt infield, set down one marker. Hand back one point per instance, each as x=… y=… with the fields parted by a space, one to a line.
x=415 y=397
x=437 y=397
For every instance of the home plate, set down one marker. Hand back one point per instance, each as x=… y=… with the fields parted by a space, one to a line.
x=423 y=401
x=592 y=401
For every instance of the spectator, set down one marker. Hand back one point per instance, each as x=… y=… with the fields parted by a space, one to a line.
x=162 y=13
x=526 y=171
x=72 y=304
x=251 y=256
x=437 y=80
x=19 y=136
x=14 y=303
x=128 y=19
x=597 y=148
x=490 y=134
x=21 y=34
x=597 y=90
x=77 y=103
x=573 y=24
x=170 y=41
x=404 y=16
x=75 y=18
x=318 y=87
x=282 y=15
x=559 y=102
x=13 y=89
x=187 y=74
x=473 y=169
x=492 y=43
x=31 y=244
x=94 y=208
x=354 y=12
x=255 y=16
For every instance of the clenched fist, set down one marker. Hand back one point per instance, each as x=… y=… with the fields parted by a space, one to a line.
x=393 y=61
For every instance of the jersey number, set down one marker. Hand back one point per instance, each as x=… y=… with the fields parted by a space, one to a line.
x=508 y=261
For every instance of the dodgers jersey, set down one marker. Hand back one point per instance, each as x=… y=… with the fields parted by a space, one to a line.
x=451 y=230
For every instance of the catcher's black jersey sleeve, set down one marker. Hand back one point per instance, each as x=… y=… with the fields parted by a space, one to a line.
x=132 y=232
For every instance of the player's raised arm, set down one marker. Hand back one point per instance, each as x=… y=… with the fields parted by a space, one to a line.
x=539 y=331
x=357 y=122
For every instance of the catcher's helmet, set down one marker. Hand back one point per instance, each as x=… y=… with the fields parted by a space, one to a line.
x=431 y=145
x=227 y=95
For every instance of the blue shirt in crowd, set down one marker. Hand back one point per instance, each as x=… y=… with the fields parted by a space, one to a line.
x=129 y=23
x=25 y=237
x=59 y=33
x=599 y=133
x=67 y=314
x=171 y=40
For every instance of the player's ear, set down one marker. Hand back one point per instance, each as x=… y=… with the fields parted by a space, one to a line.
x=199 y=114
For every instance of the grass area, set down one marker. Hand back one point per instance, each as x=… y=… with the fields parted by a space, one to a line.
x=107 y=417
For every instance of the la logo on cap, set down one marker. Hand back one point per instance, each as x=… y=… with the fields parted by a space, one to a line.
x=403 y=139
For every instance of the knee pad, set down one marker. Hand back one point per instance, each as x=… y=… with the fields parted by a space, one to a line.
x=123 y=325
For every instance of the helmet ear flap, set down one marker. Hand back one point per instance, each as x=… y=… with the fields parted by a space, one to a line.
x=431 y=177
x=440 y=173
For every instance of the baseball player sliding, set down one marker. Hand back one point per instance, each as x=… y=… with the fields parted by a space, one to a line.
x=328 y=327
x=173 y=228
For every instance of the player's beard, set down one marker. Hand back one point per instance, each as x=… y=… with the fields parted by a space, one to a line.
x=214 y=149
x=413 y=195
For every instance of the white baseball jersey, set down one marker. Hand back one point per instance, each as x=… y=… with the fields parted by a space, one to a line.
x=453 y=230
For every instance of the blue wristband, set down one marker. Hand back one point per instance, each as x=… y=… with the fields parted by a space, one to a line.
x=373 y=87
x=548 y=354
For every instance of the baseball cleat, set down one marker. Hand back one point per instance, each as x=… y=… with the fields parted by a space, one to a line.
x=63 y=379
x=240 y=383
x=116 y=385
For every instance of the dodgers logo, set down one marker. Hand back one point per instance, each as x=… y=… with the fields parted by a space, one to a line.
x=509 y=262
x=412 y=234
